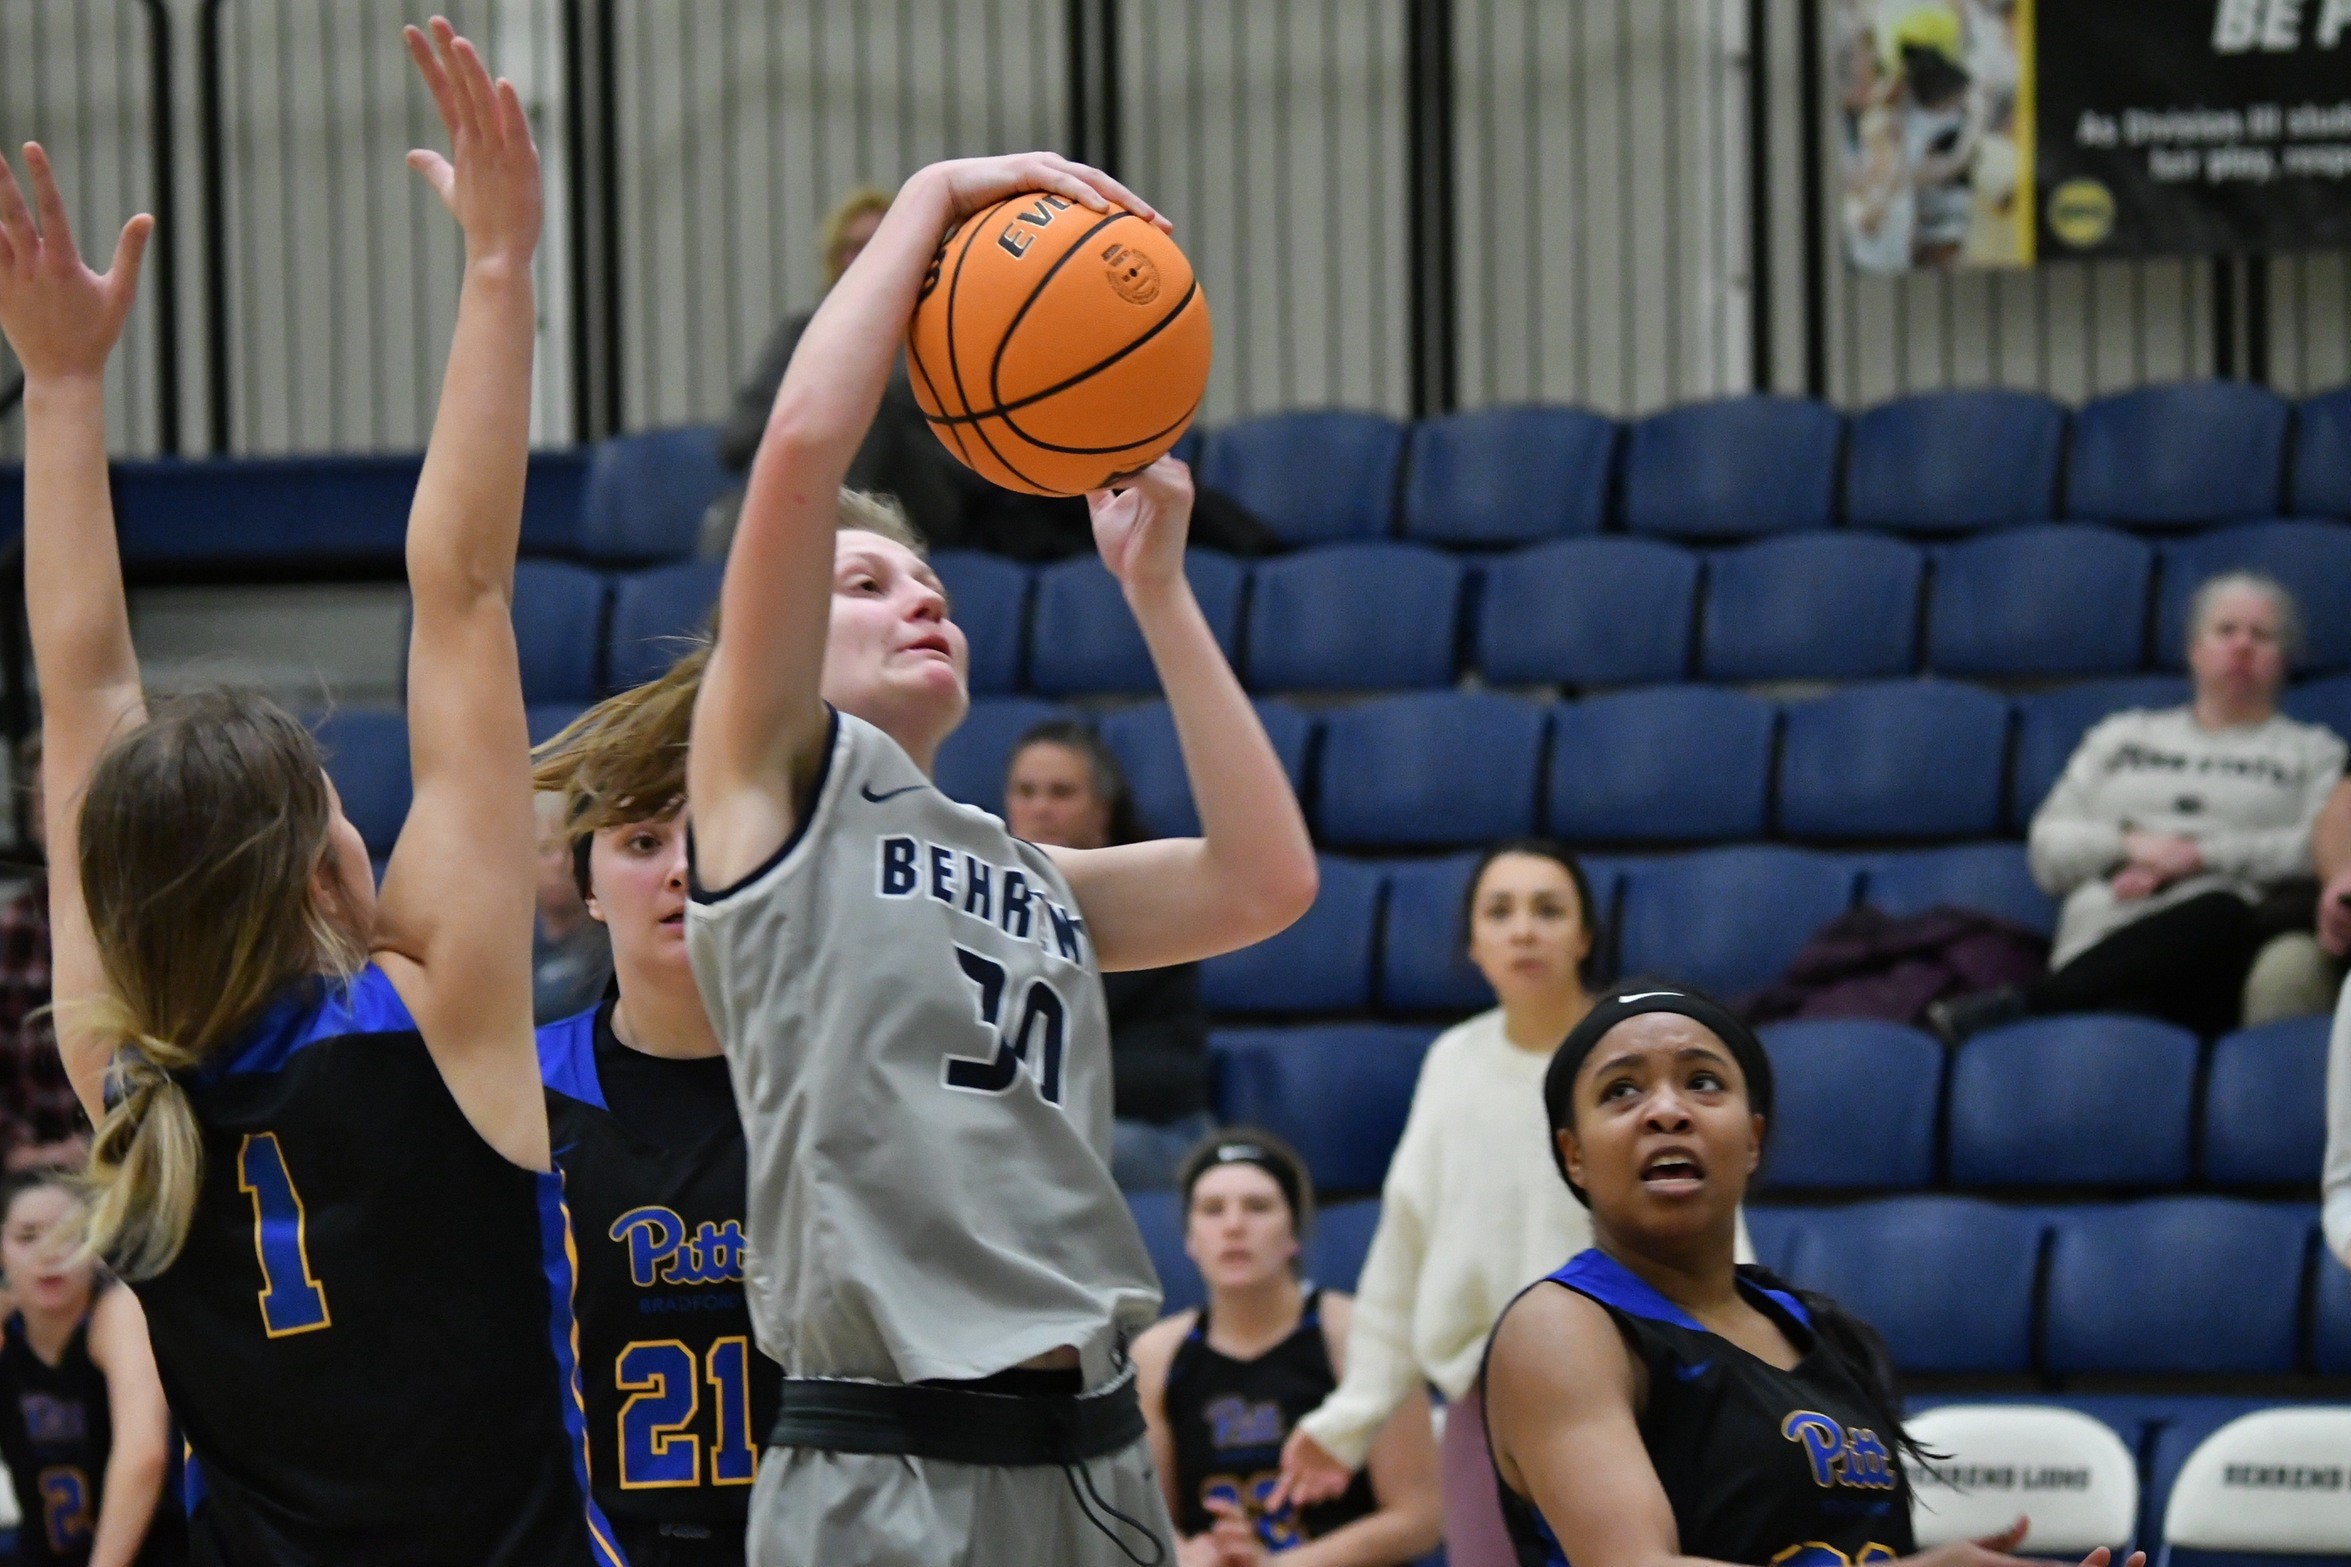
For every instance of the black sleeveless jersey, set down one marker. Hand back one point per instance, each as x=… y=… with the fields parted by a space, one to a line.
x=679 y=1398
x=368 y=1337
x=1761 y=1465
x=56 y=1433
x=1230 y=1419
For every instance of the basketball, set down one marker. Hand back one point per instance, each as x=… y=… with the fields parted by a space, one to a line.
x=1054 y=348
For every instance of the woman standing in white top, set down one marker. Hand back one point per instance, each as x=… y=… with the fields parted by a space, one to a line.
x=1472 y=1210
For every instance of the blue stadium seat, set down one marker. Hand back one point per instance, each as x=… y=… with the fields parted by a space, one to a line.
x=2330 y=1329
x=1160 y=1216
x=1728 y=919
x=1424 y=962
x=1904 y=759
x=278 y=512
x=1143 y=738
x=554 y=492
x=1855 y=1105
x=1777 y=1232
x=1674 y=764
x=1433 y=769
x=1954 y=461
x=1894 y=1263
x=2186 y=1422
x=2056 y=599
x=1313 y=476
x=972 y=761
x=1588 y=612
x=2088 y=1099
x=2326 y=702
x=2174 y=1284
x=1508 y=475
x=656 y=614
x=1187 y=447
x=1342 y=1235
x=2191 y=452
x=2050 y=725
x=1320 y=964
x=988 y=596
x=1086 y=639
x=558 y=629
x=1354 y=617
x=2313 y=560
x=646 y=493
x=1337 y=1091
x=1992 y=877
x=2265 y=1097
x=546 y=720
x=1813 y=606
x=1733 y=468
x=367 y=757
x=2322 y=456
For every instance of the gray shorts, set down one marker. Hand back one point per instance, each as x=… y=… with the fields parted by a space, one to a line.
x=821 y=1509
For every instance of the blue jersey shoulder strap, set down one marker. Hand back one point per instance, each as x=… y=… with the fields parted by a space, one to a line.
x=317 y=1009
x=567 y=1058
x=1595 y=1274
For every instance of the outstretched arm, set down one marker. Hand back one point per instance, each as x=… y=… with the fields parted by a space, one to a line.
x=1251 y=872
x=63 y=320
x=759 y=718
x=141 y=1457
x=454 y=920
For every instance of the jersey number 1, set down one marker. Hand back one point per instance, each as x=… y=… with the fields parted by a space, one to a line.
x=292 y=1300
x=1042 y=1015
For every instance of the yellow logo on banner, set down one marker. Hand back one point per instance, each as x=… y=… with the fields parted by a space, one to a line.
x=2081 y=213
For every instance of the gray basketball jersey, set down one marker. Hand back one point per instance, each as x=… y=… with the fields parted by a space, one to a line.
x=913 y=1017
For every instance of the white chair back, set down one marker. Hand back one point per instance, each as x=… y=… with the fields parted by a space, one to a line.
x=2276 y=1481
x=2068 y=1473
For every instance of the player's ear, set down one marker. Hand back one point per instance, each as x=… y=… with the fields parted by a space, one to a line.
x=1571 y=1154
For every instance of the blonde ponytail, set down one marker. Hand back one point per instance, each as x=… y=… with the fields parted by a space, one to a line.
x=146 y=1163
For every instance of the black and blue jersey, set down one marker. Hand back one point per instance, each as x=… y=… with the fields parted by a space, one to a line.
x=368 y=1338
x=679 y=1397
x=1761 y=1465
x=56 y=1435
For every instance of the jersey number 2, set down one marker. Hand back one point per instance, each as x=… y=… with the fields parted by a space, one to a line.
x=292 y=1300
x=658 y=1447
x=1042 y=1015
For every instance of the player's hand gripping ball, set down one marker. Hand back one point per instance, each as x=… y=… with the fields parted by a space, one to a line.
x=1057 y=349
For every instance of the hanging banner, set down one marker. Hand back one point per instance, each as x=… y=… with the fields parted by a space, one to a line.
x=2001 y=132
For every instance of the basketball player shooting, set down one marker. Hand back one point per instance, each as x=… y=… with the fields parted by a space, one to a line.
x=910 y=999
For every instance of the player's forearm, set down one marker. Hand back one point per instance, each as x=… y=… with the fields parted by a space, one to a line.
x=134 y=1485
x=1393 y=1534
x=1258 y=857
x=466 y=522
x=74 y=601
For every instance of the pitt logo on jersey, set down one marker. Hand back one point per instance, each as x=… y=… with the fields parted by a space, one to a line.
x=663 y=1251
x=1004 y=896
x=1855 y=1458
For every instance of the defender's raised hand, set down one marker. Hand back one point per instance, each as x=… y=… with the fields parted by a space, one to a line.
x=490 y=180
x=1141 y=525
x=61 y=318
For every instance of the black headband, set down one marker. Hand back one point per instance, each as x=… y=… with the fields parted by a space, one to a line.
x=1559 y=1079
x=1242 y=1150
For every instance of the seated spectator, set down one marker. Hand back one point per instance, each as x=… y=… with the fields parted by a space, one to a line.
x=1064 y=788
x=2299 y=973
x=41 y=1122
x=1223 y=1386
x=2334 y=1214
x=571 y=956
x=1468 y=1217
x=2167 y=829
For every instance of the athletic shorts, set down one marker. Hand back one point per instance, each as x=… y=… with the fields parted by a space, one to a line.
x=814 y=1508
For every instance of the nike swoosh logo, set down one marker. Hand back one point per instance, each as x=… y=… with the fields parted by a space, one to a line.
x=1693 y=1373
x=867 y=791
x=1649 y=995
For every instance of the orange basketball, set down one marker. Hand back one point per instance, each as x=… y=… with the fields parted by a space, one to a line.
x=1055 y=348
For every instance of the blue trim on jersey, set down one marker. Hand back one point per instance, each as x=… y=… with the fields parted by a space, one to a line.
x=555 y=1244
x=567 y=1058
x=1611 y=1283
x=317 y=1009
x=193 y=1490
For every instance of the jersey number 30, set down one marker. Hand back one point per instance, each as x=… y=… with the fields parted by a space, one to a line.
x=1043 y=1025
x=292 y=1299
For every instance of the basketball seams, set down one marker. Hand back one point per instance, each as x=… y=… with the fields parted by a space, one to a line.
x=1005 y=410
x=1012 y=327
x=955 y=354
x=1168 y=320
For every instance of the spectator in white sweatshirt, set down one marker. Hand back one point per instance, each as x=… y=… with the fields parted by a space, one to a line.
x=2167 y=828
x=1472 y=1210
